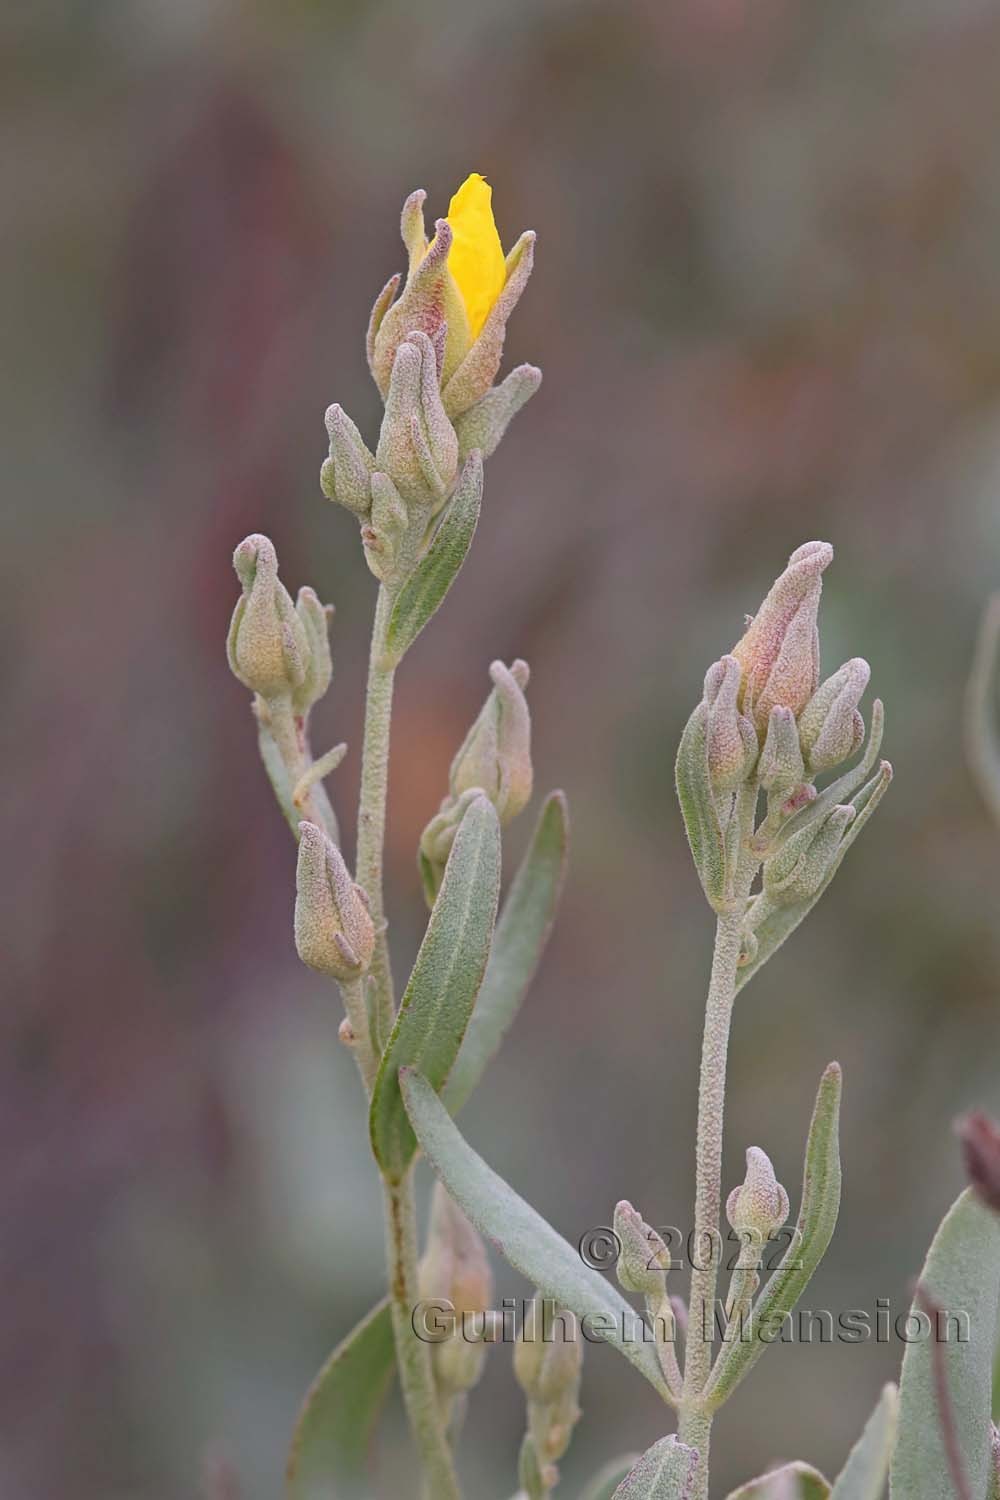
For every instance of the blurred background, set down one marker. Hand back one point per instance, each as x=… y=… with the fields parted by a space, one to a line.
x=767 y=304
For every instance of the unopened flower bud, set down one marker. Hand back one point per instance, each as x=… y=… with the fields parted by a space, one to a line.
x=803 y=862
x=731 y=740
x=315 y=620
x=267 y=646
x=333 y=928
x=456 y=1268
x=831 y=728
x=437 y=839
x=460 y=291
x=759 y=1206
x=781 y=767
x=779 y=653
x=346 y=474
x=426 y=300
x=548 y=1359
x=386 y=527
x=496 y=753
x=417 y=444
x=548 y=1354
x=644 y=1260
x=980 y=1138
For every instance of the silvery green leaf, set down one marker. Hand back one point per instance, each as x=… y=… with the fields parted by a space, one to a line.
x=958 y=1294
x=522 y=932
x=664 y=1472
x=329 y=1452
x=424 y=590
x=604 y=1484
x=484 y=424
x=781 y=921
x=796 y=1481
x=698 y=806
x=520 y=1234
x=983 y=709
x=442 y=988
x=864 y=1475
x=813 y=1231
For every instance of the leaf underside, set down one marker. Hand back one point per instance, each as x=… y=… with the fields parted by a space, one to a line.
x=961 y=1280
x=329 y=1451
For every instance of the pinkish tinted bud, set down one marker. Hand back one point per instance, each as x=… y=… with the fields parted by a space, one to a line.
x=333 y=929
x=779 y=653
x=268 y=647
x=759 y=1205
x=730 y=738
x=496 y=754
x=831 y=728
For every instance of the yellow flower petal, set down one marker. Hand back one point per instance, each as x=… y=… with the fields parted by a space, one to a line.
x=476 y=258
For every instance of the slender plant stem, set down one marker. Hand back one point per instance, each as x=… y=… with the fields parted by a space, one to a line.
x=365 y=1055
x=413 y=1356
x=696 y=1425
x=371 y=812
x=284 y=733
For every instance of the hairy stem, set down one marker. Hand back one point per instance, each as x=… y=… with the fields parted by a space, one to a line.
x=284 y=749
x=371 y=811
x=361 y=1044
x=695 y=1425
x=413 y=1356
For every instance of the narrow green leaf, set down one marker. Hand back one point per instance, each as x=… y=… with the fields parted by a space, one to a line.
x=813 y=1232
x=664 y=1472
x=520 y=1234
x=957 y=1302
x=983 y=709
x=442 y=988
x=701 y=817
x=797 y=1481
x=518 y=944
x=864 y=1475
x=423 y=592
x=604 y=1484
x=329 y=1452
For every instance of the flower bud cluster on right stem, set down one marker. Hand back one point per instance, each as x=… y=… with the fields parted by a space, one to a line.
x=767 y=725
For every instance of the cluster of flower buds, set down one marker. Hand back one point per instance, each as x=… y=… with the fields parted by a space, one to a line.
x=548 y=1360
x=434 y=351
x=334 y=932
x=455 y=1269
x=281 y=652
x=494 y=758
x=766 y=723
